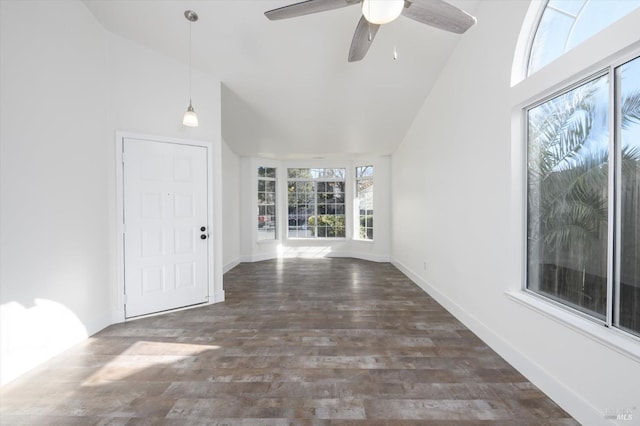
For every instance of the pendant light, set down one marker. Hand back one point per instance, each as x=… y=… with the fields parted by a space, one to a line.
x=190 y=118
x=381 y=11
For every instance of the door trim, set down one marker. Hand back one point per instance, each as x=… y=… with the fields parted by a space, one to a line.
x=214 y=217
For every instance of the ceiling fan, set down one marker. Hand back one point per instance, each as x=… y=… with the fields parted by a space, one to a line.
x=436 y=13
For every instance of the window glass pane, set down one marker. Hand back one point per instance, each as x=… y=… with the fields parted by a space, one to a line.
x=329 y=207
x=548 y=44
x=270 y=172
x=598 y=15
x=339 y=173
x=266 y=203
x=301 y=205
x=567 y=6
x=364 y=202
x=567 y=196
x=316 y=203
x=298 y=173
x=317 y=173
x=565 y=24
x=628 y=273
x=366 y=171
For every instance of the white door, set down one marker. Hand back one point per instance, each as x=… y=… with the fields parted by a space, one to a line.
x=165 y=223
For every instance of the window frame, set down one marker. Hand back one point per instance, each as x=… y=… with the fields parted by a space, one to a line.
x=356 y=211
x=576 y=20
x=274 y=179
x=605 y=50
x=611 y=317
x=610 y=198
x=347 y=196
x=249 y=200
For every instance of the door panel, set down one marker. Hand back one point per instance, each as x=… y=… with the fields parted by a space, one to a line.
x=165 y=205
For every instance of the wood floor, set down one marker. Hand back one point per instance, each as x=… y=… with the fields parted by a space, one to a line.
x=317 y=342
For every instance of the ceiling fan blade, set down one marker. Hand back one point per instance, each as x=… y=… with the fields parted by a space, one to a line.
x=439 y=14
x=306 y=8
x=362 y=39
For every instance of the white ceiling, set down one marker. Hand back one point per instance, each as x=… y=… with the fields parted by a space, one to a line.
x=288 y=90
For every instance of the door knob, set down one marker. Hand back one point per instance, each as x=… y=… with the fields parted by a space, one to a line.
x=202 y=228
x=203 y=237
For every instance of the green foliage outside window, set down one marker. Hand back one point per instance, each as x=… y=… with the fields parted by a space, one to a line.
x=366 y=227
x=328 y=226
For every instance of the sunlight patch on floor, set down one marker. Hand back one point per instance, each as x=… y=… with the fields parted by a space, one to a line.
x=144 y=355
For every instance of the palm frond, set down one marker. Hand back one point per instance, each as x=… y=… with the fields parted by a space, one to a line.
x=559 y=129
x=630 y=110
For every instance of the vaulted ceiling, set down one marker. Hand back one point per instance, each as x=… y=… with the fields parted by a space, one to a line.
x=288 y=90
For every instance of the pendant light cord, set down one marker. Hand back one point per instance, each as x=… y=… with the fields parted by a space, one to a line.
x=190 y=23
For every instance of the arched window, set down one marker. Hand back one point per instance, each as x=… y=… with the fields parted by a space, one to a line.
x=564 y=24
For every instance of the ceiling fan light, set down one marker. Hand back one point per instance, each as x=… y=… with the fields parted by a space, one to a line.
x=381 y=11
x=190 y=118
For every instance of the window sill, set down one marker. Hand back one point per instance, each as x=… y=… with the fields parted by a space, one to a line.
x=267 y=241
x=613 y=338
x=316 y=239
x=358 y=240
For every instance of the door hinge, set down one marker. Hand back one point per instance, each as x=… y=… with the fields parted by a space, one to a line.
x=123 y=158
x=124 y=298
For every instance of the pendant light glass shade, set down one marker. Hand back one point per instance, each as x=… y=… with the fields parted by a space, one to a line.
x=190 y=118
x=381 y=11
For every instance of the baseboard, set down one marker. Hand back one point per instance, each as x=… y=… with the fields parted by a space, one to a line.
x=258 y=257
x=117 y=316
x=229 y=266
x=218 y=297
x=313 y=254
x=563 y=395
x=100 y=324
x=362 y=256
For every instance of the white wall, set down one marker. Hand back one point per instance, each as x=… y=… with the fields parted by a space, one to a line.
x=377 y=250
x=455 y=168
x=67 y=86
x=54 y=209
x=149 y=93
x=231 y=207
